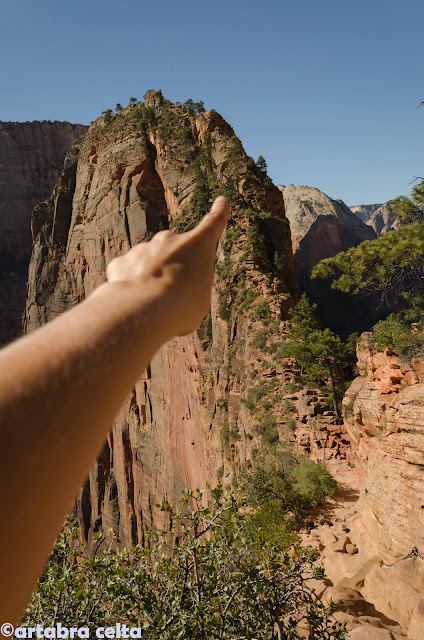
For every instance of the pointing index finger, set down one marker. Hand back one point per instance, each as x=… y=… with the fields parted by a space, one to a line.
x=216 y=220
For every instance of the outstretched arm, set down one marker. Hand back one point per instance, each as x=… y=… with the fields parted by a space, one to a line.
x=61 y=387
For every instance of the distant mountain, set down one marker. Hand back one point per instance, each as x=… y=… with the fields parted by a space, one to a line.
x=377 y=216
x=320 y=228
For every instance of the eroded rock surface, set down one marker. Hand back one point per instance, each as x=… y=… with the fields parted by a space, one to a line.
x=186 y=421
x=377 y=216
x=384 y=419
x=31 y=160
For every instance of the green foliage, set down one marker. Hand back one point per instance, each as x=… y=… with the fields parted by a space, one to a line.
x=260 y=339
x=401 y=333
x=133 y=101
x=267 y=427
x=118 y=107
x=217 y=573
x=410 y=210
x=261 y=164
x=107 y=116
x=261 y=311
x=235 y=152
x=290 y=483
x=325 y=361
x=196 y=107
x=391 y=264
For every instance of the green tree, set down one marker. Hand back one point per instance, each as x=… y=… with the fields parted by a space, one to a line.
x=261 y=164
x=196 y=107
x=390 y=265
x=287 y=482
x=207 y=577
x=118 y=107
x=323 y=358
x=133 y=101
x=107 y=116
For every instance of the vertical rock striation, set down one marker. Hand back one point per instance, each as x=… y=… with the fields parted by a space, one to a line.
x=186 y=421
x=384 y=420
x=31 y=159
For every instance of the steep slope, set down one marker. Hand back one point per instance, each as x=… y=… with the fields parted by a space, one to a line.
x=365 y=211
x=377 y=216
x=31 y=160
x=384 y=420
x=321 y=228
x=188 y=419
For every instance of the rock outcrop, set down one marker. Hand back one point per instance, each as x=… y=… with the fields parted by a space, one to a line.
x=31 y=160
x=321 y=228
x=384 y=420
x=187 y=420
x=377 y=216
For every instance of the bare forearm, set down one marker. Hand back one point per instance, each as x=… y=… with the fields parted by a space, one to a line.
x=60 y=389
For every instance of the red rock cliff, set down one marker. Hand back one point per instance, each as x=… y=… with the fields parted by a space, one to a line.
x=384 y=419
x=31 y=159
x=187 y=420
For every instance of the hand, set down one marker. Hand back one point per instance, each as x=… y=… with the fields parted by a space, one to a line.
x=178 y=268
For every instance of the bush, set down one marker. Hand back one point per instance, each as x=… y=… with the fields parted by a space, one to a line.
x=397 y=334
x=289 y=482
x=214 y=574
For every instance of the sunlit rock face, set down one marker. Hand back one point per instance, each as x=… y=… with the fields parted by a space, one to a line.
x=377 y=216
x=185 y=422
x=384 y=421
x=31 y=160
x=322 y=227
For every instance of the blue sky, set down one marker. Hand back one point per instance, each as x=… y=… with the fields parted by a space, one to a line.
x=326 y=90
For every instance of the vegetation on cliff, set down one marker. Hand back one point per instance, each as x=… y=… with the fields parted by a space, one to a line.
x=325 y=361
x=390 y=265
x=209 y=577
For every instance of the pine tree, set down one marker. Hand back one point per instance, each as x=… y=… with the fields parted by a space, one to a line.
x=321 y=355
x=261 y=164
x=118 y=108
x=107 y=116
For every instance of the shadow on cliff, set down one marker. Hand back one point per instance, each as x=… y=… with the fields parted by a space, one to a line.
x=341 y=312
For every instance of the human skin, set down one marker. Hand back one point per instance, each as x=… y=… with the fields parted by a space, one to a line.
x=62 y=385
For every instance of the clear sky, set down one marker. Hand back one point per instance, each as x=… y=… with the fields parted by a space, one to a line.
x=326 y=90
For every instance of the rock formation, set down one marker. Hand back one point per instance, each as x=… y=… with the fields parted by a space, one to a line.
x=384 y=419
x=31 y=160
x=377 y=216
x=187 y=420
x=321 y=228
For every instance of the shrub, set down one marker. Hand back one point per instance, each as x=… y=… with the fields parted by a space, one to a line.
x=214 y=574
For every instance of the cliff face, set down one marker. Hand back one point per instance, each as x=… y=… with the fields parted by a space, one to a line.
x=31 y=160
x=377 y=216
x=384 y=420
x=187 y=420
x=321 y=228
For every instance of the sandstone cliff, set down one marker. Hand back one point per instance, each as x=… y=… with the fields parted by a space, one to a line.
x=377 y=216
x=384 y=420
x=321 y=228
x=31 y=160
x=191 y=417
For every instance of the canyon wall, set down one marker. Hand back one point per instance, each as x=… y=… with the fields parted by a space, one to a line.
x=384 y=421
x=31 y=160
x=191 y=417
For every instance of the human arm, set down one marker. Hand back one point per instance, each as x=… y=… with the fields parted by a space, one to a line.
x=62 y=385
